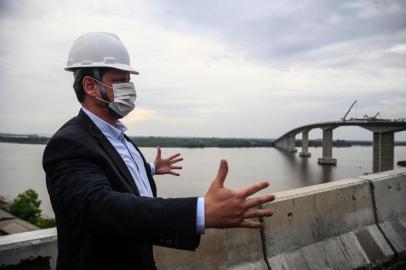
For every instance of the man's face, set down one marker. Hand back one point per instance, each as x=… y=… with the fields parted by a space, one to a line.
x=114 y=76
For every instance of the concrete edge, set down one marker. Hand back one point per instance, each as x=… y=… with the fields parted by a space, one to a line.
x=383 y=175
x=19 y=240
x=314 y=189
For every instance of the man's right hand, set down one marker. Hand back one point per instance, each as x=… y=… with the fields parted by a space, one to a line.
x=227 y=208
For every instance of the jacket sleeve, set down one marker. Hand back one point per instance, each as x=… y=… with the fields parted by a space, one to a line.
x=81 y=189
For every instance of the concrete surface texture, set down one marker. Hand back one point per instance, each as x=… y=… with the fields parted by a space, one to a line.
x=337 y=225
x=349 y=224
x=383 y=151
x=305 y=144
x=22 y=247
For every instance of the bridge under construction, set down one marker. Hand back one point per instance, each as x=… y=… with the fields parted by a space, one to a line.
x=383 y=139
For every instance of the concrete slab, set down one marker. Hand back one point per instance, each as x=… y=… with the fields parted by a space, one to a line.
x=353 y=251
x=389 y=194
x=219 y=249
x=395 y=231
x=261 y=265
x=312 y=214
x=371 y=248
x=295 y=261
x=278 y=262
x=331 y=252
x=313 y=258
x=361 y=249
x=390 y=197
x=382 y=243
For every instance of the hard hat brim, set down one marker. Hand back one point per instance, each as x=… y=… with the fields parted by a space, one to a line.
x=103 y=65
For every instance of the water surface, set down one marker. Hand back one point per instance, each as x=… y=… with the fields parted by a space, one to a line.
x=21 y=169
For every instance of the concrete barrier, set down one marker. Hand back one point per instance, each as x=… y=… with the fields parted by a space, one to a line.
x=327 y=226
x=389 y=197
x=347 y=224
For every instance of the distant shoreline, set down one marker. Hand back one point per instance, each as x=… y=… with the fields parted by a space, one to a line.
x=193 y=142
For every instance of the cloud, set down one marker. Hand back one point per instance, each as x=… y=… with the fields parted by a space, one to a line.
x=287 y=32
x=139 y=115
x=210 y=68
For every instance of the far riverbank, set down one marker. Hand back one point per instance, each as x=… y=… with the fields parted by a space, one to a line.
x=193 y=142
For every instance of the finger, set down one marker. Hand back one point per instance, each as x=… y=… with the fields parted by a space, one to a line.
x=255 y=213
x=175 y=160
x=250 y=224
x=248 y=191
x=174 y=173
x=249 y=203
x=222 y=173
x=174 y=156
x=176 y=167
x=159 y=151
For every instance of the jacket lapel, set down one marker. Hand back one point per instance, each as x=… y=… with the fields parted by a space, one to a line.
x=88 y=124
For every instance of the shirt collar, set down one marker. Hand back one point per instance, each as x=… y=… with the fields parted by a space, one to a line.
x=108 y=130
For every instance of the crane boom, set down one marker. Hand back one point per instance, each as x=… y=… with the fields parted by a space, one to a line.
x=352 y=105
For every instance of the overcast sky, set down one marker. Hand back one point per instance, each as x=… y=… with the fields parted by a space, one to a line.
x=212 y=68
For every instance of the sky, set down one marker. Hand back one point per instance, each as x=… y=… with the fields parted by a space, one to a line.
x=246 y=69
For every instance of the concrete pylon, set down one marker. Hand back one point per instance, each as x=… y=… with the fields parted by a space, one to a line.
x=327 y=158
x=305 y=144
x=383 y=151
x=292 y=144
x=383 y=147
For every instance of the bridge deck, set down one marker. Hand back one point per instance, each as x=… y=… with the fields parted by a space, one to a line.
x=401 y=125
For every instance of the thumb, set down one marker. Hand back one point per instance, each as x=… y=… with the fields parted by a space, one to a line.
x=222 y=173
x=158 y=154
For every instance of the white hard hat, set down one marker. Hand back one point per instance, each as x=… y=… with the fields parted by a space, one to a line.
x=99 y=49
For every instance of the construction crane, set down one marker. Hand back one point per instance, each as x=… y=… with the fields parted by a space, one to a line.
x=373 y=118
x=345 y=116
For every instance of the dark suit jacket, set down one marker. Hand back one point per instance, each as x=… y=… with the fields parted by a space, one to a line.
x=102 y=222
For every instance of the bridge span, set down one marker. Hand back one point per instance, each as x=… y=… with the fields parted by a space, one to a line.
x=383 y=140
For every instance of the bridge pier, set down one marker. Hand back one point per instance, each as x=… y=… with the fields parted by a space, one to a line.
x=383 y=147
x=383 y=151
x=327 y=158
x=292 y=144
x=305 y=144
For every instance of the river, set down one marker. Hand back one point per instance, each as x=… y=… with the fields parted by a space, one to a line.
x=20 y=169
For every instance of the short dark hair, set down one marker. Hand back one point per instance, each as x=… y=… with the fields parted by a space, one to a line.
x=78 y=82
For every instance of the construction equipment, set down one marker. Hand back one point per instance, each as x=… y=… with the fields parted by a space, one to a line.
x=346 y=114
x=373 y=118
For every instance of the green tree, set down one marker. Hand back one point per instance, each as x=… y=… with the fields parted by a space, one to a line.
x=44 y=223
x=26 y=206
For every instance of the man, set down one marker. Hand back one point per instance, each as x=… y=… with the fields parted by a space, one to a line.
x=101 y=187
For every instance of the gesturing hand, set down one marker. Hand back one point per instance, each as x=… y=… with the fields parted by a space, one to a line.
x=227 y=208
x=165 y=165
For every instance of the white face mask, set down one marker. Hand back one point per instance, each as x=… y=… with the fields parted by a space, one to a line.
x=124 y=98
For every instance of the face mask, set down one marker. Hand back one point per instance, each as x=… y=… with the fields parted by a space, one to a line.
x=124 y=98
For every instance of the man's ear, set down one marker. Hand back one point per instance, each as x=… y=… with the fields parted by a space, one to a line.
x=89 y=86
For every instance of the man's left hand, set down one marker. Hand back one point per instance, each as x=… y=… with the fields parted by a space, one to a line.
x=165 y=165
